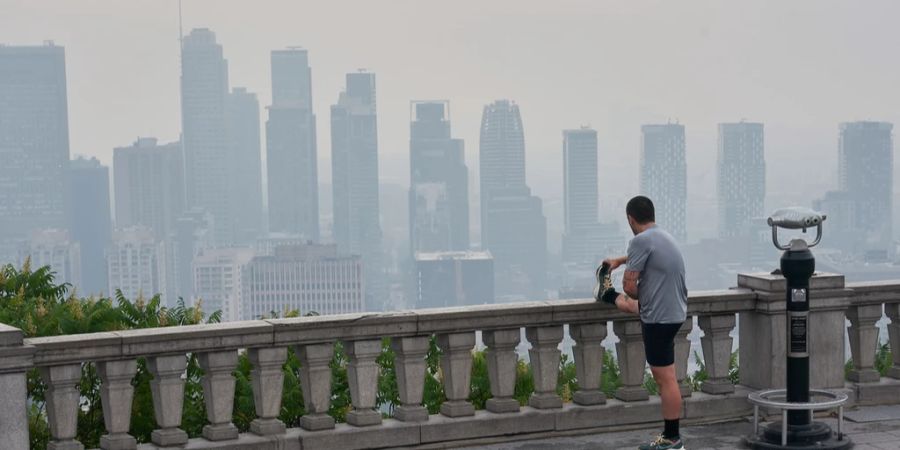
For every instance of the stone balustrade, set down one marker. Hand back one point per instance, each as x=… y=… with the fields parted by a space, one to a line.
x=312 y=339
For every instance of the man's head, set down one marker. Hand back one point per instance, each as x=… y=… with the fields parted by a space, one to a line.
x=641 y=213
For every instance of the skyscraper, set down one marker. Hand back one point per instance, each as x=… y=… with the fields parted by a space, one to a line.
x=218 y=275
x=741 y=177
x=136 y=261
x=291 y=147
x=513 y=226
x=89 y=220
x=306 y=278
x=580 y=194
x=56 y=249
x=439 y=192
x=354 y=166
x=447 y=279
x=664 y=175
x=204 y=87
x=865 y=173
x=246 y=195
x=34 y=142
x=149 y=185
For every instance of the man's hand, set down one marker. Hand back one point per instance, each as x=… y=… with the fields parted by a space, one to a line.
x=615 y=263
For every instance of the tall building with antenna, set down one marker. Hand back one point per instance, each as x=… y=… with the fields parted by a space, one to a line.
x=204 y=87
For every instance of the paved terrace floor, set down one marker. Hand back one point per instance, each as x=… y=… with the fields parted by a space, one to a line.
x=869 y=435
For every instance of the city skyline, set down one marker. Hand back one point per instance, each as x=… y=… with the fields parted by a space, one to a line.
x=223 y=154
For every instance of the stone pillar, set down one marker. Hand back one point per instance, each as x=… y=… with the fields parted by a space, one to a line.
x=893 y=312
x=409 y=363
x=116 y=394
x=62 y=405
x=167 y=388
x=218 y=394
x=501 y=362
x=315 y=381
x=267 y=378
x=588 y=352
x=456 y=367
x=763 y=331
x=863 y=342
x=717 y=344
x=632 y=361
x=544 y=355
x=14 y=413
x=362 y=375
x=683 y=356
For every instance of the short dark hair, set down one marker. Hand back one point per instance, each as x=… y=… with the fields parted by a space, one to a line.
x=641 y=210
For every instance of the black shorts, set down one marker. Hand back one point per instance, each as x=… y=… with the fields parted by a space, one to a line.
x=659 y=343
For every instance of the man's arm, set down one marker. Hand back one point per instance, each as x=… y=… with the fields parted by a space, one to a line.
x=630 y=283
x=615 y=263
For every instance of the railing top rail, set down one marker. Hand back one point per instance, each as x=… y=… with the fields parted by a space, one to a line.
x=875 y=292
x=114 y=345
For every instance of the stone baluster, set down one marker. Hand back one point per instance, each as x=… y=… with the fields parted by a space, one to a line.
x=863 y=342
x=632 y=361
x=167 y=388
x=501 y=362
x=456 y=367
x=116 y=394
x=267 y=378
x=588 y=352
x=409 y=363
x=683 y=356
x=893 y=312
x=544 y=355
x=218 y=394
x=717 y=343
x=315 y=382
x=362 y=375
x=62 y=405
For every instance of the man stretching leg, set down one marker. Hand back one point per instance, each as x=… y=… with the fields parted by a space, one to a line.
x=655 y=289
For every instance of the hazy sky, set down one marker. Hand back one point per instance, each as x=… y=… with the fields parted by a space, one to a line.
x=801 y=67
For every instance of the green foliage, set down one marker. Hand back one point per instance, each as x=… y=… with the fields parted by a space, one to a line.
x=340 y=386
x=567 y=381
x=883 y=359
x=700 y=376
x=434 y=391
x=292 y=407
x=848 y=367
x=388 y=393
x=734 y=368
x=480 y=390
x=243 y=410
x=524 y=382
x=610 y=379
x=650 y=383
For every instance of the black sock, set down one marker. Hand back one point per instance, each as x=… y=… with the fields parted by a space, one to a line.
x=671 y=430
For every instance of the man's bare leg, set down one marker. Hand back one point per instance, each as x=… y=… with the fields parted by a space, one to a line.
x=626 y=304
x=668 y=391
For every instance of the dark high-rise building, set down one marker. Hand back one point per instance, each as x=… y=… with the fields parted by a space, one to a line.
x=246 y=165
x=445 y=279
x=865 y=173
x=354 y=167
x=439 y=192
x=513 y=227
x=34 y=142
x=291 y=147
x=204 y=87
x=741 y=178
x=149 y=186
x=89 y=220
x=580 y=195
x=664 y=175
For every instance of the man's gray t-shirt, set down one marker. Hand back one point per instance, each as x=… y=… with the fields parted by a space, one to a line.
x=661 y=288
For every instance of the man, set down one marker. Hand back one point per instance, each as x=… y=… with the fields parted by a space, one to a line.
x=655 y=289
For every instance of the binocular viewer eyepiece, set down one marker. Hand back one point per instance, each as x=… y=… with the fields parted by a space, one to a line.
x=796 y=218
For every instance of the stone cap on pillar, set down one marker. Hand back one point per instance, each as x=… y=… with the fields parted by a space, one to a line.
x=767 y=282
x=15 y=356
